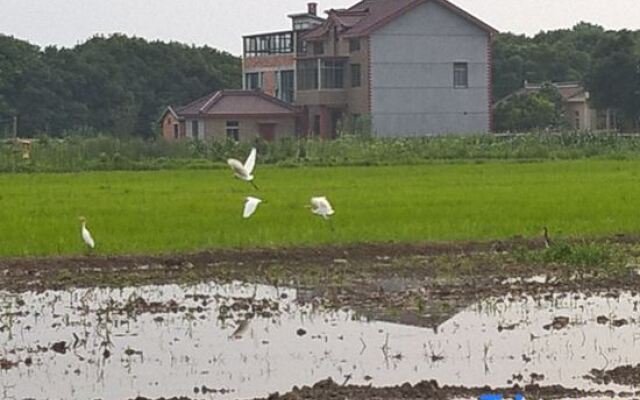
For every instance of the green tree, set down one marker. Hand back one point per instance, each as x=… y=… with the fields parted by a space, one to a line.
x=530 y=111
x=114 y=84
x=614 y=79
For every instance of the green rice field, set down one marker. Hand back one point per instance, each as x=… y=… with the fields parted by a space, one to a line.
x=189 y=210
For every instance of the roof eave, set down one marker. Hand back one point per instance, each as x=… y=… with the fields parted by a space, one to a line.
x=455 y=9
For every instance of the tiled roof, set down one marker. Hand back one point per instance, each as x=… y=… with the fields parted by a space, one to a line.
x=236 y=102
x=570 y=91
x=567 y=90
x=377 y=13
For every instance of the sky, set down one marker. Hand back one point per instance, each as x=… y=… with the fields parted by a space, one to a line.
x=221 y=23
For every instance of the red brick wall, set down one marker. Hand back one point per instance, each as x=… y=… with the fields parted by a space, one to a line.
x=268 y=65
x=269 y=83
x=276 y=61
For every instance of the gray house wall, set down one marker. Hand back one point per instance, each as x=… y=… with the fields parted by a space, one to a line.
x=412 y=61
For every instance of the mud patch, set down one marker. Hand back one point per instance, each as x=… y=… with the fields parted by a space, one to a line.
x=624 y=375
x=329 y=389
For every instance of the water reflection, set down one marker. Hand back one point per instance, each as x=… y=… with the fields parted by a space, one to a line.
x=244 y=341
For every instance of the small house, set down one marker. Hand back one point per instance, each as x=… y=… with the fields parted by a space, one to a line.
x=240 y=115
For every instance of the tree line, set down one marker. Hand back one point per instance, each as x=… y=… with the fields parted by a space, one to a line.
x=117 y=84
x=606 y=62
x=120 y=85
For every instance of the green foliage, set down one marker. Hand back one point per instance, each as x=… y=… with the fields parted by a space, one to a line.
x=165 y=211
x=530 y=111
x=101 y=152
x=607 y=62
x=614 y=79
x=581 y=254
x=117 y=85
x=555 y=56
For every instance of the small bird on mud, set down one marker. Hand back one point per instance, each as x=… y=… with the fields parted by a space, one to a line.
x=86 y=235
x=547 y=241
x=250 y=206
x=244 y=171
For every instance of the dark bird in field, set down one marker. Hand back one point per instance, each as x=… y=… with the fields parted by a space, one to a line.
x=547 y=241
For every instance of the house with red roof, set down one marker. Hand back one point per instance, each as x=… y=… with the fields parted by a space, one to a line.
x=406 y=67
x=411 y=67
x=231 y=114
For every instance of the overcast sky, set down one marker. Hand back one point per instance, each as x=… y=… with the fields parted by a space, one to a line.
x=221 y=23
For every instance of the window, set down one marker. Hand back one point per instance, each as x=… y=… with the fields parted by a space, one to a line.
x=253 y=80
x=195 y=129
x=176 y=131
x=318 y=47
x=233 y=130
x=354 y=45
x=301 y=25
x=285 y=90
x=355 y=75
x=274 y=43
x=460 y=75
x=332 y=74
x=301 y=46
x=307 y=74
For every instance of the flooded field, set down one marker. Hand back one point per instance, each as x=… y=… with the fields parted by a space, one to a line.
x=240 y=341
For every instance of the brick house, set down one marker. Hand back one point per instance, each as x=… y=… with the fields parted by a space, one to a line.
x=411 y=67
x=239 y=115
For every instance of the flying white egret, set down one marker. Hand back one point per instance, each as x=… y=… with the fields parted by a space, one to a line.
x=244 y=171
x=250 y=206
x=86 y=235
x=321 y=206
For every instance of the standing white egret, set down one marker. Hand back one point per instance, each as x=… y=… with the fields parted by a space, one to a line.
x=244 y=171
x=321 y=206
x=86 y=235
x=250 y=206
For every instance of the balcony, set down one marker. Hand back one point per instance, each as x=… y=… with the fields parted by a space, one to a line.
x=269 y=44
x=321 y=81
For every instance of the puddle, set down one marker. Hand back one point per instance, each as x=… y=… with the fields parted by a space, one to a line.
x=240 y=341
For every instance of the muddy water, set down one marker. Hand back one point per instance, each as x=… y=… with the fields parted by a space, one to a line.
x=244 y=341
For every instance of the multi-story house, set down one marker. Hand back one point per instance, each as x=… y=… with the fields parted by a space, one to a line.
x=410 y=67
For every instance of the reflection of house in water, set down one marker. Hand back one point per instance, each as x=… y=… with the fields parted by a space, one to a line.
x=578 y=112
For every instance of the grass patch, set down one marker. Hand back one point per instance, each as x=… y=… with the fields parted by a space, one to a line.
x=177 y=211
x=597 y=257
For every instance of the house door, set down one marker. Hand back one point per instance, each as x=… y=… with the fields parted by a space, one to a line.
x=267 y=131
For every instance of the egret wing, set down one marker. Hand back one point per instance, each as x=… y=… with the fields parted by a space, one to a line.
x=250 y=206
x=251 y=161
x=86 y=236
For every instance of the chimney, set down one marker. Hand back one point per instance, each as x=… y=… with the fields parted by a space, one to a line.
x=313 y=8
